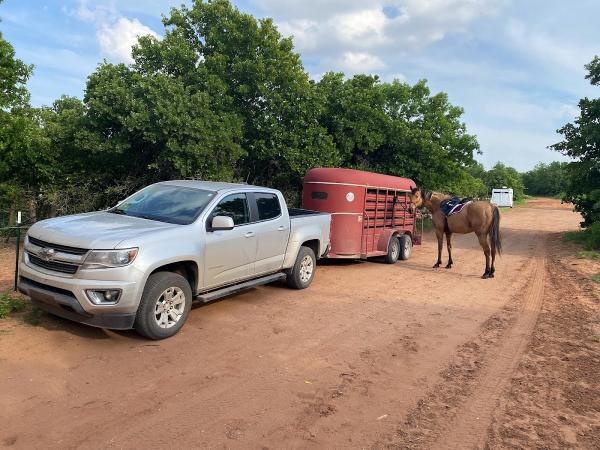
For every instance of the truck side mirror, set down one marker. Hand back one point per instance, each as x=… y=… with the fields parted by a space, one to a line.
x=222 y=223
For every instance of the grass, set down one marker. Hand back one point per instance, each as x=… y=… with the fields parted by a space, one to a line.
x=596 y=278
x=9 y=304
x=589 y=237
x=589 y=254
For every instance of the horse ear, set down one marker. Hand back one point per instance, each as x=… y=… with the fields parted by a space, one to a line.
x=413 y=190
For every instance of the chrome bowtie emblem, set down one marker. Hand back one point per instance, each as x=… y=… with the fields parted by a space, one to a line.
x=46 y=254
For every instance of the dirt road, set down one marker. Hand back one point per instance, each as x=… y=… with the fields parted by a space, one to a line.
x=371 y=356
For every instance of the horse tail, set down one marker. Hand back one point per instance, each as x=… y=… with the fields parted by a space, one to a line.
x=494 y=231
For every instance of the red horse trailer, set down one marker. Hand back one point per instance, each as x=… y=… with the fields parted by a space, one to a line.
x=370 y=212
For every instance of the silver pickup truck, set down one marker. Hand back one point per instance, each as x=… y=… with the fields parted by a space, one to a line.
x=141 y=263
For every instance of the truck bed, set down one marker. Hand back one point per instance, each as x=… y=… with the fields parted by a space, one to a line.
x=299 y=212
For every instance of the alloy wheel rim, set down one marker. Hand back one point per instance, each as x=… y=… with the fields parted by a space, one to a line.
x=169 y=307
x=306 y=268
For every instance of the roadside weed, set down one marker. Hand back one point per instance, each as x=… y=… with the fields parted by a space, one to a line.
x=589 y=254
x=596 y=277
x=9 y=304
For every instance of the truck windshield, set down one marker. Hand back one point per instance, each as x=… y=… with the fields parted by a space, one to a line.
x=166 y=203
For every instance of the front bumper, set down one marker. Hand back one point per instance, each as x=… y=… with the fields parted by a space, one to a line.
x=65 y=296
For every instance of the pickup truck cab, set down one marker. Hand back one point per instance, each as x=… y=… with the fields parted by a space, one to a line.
x=140 y=264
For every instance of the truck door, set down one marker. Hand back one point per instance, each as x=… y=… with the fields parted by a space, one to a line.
x=229 y=255
x=273 y=229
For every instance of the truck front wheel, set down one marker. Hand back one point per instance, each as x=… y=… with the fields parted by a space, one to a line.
x=303 y=271
x=165 y=305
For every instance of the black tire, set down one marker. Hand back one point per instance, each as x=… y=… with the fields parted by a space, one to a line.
x=297 y=278
x=155 y=291
x=405 y=247
x=393 y=251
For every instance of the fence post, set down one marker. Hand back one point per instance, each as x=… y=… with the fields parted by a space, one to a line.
x=18 y=248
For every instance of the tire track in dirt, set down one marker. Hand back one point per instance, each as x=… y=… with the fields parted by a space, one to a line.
x=469 y=427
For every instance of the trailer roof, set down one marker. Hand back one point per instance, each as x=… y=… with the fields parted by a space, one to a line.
x=358 y=178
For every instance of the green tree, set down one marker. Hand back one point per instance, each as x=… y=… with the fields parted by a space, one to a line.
x=546 y=179
x=502 y=175
x=24 y=166
x=582 y=143
x=257 y=78
x=398 y=129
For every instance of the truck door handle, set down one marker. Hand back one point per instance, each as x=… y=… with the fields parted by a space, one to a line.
x=281 y=228
x=249 y=234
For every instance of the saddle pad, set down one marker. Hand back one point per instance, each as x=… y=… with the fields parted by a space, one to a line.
x=458 y=208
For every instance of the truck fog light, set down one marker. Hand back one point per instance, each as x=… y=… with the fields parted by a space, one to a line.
x=104 y=297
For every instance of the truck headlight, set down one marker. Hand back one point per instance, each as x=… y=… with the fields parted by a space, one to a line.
x=105 y=259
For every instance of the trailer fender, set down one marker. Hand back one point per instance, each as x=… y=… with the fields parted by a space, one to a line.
x=384 y=239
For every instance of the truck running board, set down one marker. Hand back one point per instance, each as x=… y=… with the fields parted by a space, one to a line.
x=224 y=292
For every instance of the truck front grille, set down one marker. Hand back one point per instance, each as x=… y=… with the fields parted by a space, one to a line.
x=58 y=247
x=53 y=265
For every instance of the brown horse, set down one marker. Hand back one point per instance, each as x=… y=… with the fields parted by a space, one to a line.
x=479 y=217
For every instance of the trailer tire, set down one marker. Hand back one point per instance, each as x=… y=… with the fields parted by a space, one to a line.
x=393 y=250
x=165 y=305
x=303 y=272
x=405 y=247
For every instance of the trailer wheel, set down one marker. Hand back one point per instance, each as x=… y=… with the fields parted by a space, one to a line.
x=303 y=271
x=405 y=247
x=165 y=305
x=393 y=250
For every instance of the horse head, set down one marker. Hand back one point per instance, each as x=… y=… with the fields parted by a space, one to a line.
x=417 y=197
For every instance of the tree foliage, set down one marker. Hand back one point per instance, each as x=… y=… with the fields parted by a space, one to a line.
x=582 y=143
x=546 y=179
x=224 y=96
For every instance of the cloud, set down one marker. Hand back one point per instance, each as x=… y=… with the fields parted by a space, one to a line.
x=355 y=36
x=116 y=34
x=364 y=28
x=360 y=62
x=117 y=39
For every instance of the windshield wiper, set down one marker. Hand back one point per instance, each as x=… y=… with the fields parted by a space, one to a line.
x=117 y=211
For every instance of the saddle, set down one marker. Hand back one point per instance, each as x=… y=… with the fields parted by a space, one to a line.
x=454 y=205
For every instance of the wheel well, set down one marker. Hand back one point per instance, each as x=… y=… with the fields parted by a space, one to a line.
x=187 y=269
x=314 y=246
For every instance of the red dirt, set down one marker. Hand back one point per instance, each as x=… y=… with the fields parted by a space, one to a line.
x=372 y=355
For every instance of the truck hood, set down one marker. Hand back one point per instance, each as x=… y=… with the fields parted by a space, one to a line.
x=95 y=230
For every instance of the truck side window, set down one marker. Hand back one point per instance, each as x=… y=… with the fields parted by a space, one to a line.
x=268 y=206
x=234 y=206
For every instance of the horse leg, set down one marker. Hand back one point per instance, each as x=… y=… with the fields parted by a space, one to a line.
x=483 y=241
x=449 y=246
x=440 y=239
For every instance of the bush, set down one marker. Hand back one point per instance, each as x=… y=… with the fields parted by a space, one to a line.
x=10 y=304
x=589 y=238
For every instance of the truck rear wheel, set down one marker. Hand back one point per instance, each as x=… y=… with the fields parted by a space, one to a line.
x=405 y=247
x=303 y=271
x=393 y=250
x=165 y=305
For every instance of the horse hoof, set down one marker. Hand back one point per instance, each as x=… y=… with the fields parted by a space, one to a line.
x=491 y=275
x=449 y=266
x=486 y=275
x=436 y=266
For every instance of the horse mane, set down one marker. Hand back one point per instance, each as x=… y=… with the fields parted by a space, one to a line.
x=426 y=193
